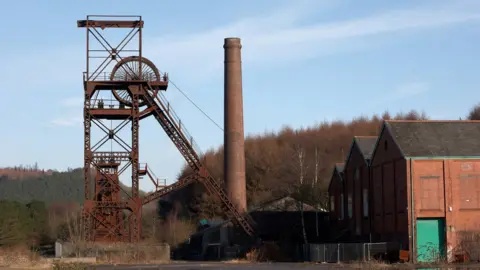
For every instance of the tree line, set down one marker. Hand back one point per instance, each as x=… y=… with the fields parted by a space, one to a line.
x=291 y=162
x=39 y=207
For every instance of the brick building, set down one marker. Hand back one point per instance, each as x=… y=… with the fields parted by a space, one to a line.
x=336 y=190
x=432 y=167
x=357 y=182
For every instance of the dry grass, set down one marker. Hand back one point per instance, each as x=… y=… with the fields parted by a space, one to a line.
x=267 y=252
x=122 y=253
x=69 y=266
x=21 y=256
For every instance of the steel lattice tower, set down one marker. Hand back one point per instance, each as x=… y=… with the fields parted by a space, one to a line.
x=110 y=212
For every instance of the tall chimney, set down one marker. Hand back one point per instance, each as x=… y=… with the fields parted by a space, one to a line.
x=234 y=149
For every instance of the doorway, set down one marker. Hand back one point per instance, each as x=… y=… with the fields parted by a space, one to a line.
x=430 y=239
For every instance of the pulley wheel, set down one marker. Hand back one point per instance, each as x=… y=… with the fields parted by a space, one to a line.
x=128 y=69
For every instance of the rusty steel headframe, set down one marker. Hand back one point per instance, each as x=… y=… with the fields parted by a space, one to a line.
x=105 y=217
x=135 y=83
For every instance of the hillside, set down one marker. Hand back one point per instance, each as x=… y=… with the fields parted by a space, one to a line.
x=274 y=161
x=26 y=184
x=280 y=163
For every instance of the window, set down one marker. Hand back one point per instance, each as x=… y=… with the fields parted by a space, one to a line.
x=357 y=174
x=332 y=204
x=342 y=207
x=365 y=202
x=385 y=145
x=350 y=206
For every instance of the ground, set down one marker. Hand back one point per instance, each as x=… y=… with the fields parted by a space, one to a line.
x=247 y=266
x=269 y=266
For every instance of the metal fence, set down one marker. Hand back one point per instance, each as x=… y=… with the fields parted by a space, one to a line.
x=347 y=252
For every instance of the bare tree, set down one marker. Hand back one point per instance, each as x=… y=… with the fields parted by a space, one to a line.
x=299 y=155
x=315 y=173
x=474 y=113
x=74 y=222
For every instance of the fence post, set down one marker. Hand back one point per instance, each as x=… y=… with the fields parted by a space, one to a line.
x=324 y=253
x=369 y=249
x=338 y=253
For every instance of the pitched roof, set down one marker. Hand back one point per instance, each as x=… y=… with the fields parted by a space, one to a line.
x=286 y=203
x=337 y=169
x=366 y=145
x=436 y=138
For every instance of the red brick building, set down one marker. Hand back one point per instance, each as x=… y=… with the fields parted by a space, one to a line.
x=357 y=182
x=426 y=185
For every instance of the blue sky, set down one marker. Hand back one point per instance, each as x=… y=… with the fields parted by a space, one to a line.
x=303 y=62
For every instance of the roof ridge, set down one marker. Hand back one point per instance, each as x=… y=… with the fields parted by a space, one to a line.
x=434 y=121
x=365 y=136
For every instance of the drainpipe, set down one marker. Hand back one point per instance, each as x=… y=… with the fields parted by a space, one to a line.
x=412 y=216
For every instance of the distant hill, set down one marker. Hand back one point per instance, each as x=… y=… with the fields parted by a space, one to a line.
x=26 y=184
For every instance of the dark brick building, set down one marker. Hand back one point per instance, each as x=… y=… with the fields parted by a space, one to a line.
x=336 y=190
x=357 y=182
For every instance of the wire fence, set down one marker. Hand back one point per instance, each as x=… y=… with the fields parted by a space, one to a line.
x=348 y=252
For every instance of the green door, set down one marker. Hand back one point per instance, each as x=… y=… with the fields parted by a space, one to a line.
x=430 y=239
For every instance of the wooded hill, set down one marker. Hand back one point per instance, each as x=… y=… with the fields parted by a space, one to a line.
x=25 y=184
x=294 y=162
x=277 y=163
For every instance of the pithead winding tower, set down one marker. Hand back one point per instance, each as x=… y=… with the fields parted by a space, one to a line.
x=111 y=213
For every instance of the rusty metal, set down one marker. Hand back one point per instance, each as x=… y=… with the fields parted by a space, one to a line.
x=122 y=71
x=135 y=82
x=104 y=212
x=184 y=145
x=234 y=161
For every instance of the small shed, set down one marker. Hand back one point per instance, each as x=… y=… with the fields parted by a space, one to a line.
x=426 y=186
x=357 y=181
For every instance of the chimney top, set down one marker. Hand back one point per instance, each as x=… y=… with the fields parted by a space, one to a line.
x=232 y=42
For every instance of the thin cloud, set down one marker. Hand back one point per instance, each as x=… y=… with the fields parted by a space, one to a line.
x=402 y=92
x=66 y=122
x=410 y=90
x=278 y=38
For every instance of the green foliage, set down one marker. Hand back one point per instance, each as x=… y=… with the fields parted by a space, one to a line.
x=54 y=187
x=22 y=223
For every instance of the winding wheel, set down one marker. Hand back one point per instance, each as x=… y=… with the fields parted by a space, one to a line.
x=128 y=69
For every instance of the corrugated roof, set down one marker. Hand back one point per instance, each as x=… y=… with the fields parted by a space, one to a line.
x=366 y=145
x=436 y=138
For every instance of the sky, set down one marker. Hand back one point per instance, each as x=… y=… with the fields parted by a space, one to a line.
x=304 y=62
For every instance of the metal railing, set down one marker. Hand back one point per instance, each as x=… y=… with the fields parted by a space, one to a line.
x=158 y=182
x=348 y=252
x=107 y=76
x=160 y=98
x=102 y=103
